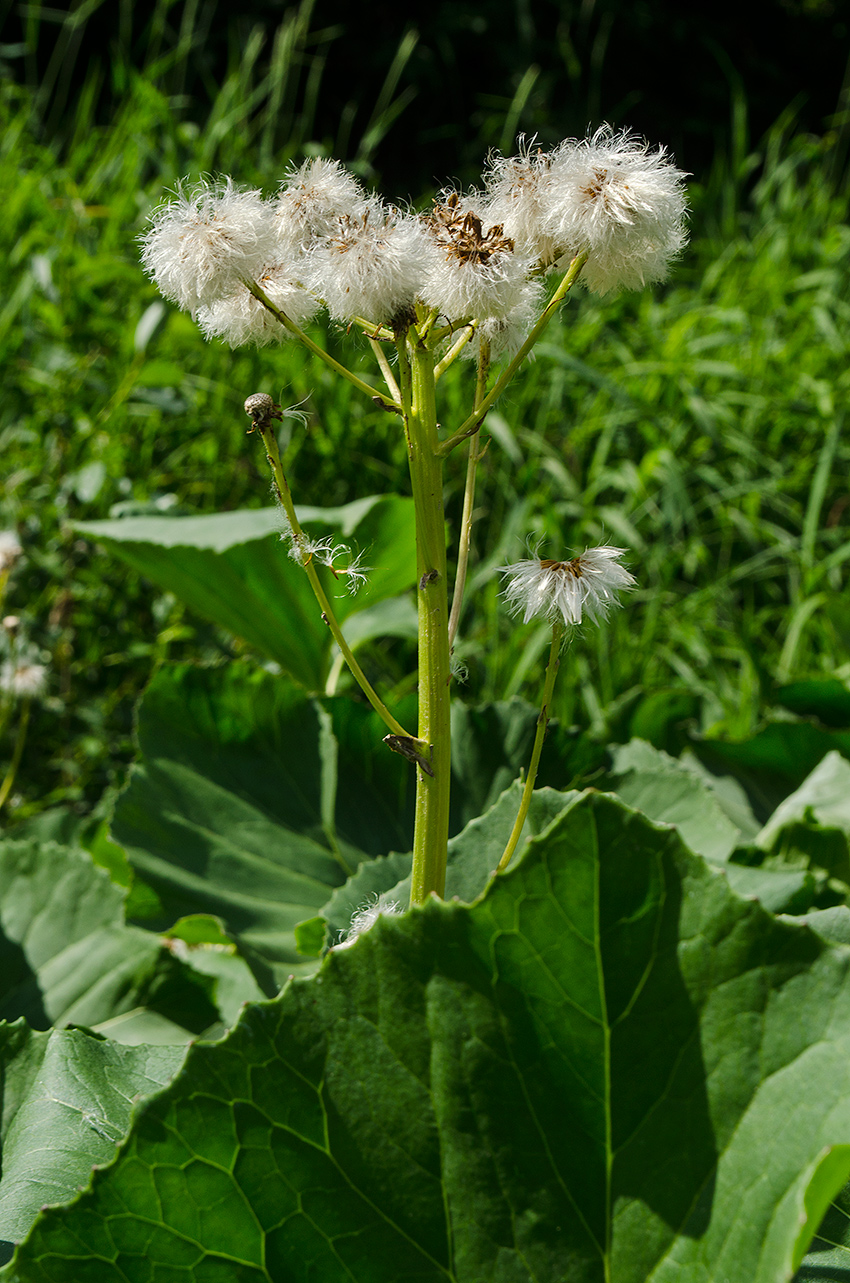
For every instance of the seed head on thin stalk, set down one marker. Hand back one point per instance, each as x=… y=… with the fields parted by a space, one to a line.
x=23 y=680
x=566 y=590
x=560 y=592
x=312 y=198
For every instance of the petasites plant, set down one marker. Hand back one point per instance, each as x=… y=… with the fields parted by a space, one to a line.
x=561 y=1045
x=465 y=279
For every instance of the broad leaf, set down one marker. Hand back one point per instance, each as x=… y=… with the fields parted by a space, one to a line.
x=67 y=1098
x=67 y=956
x=233 y=569
x=824 y=796
x=252 y=801
x=773 y=762
x=664 y=789
x=610 y=1067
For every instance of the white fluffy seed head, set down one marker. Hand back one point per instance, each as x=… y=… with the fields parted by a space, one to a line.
x=473 y=268
x=240 y=318
x=202 y=244
x=23 y=680
x=623 y=204
x=566 y=590
x=312 y=197
x=10 y=550
x=371 y=264
x=519 y=192
x=366 y=916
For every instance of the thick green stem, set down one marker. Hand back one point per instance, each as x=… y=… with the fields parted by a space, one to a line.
x=542 y=723
x=473 y=423
x=17 y=754
x=426 y=474
x=273 y=454
x=475 y=456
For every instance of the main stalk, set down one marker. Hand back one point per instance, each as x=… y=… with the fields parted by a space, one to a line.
x=426 y=473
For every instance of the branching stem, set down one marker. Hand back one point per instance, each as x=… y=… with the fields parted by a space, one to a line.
x=472 y=424
x=290 y=325
x=476 y=454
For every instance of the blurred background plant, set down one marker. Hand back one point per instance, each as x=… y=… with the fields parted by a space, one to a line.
x=698 y=424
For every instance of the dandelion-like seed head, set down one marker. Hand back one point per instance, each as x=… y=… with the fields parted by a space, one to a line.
x=520 y=197
x=313 y=196
x=474 y=269
x=240 y=318
x=23 y=680
x=567 y=590
x=370 y=265
x=202 y=244
x=10 y=550
x=366 y=916
x=623 y=204
x=506 y=334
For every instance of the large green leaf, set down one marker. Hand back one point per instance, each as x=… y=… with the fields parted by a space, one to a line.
x=67 y=956
x=252 y=800
x=233 y=569
x=609 y=1068
x=67 y=1098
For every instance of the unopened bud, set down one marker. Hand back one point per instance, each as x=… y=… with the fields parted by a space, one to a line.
x=260 y=408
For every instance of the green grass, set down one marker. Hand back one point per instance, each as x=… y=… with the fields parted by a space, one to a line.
x=699 y=425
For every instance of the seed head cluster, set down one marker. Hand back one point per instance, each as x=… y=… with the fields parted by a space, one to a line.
x=324 y=241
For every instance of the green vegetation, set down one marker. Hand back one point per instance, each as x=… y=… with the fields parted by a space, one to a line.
x=626 y=1058
x=697 y=424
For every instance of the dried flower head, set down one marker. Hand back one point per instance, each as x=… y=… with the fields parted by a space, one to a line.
x=366 y=916
x=23 y=680
x=566 y=590
x=202 y=244
x=312 y=198
x=10 y=550
x=623 y=204
x=473 y=267
x=370 y=265
x=506 y=334
x=241 y=318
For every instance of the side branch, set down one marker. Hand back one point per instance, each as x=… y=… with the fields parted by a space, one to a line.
x=261 y=296
x=473 y=423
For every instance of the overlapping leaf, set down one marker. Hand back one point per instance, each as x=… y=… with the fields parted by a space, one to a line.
x=67 y=1098
x=232 y=569
x=610 y=1067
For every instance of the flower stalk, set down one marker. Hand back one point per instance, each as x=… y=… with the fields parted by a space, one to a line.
x=537 y=749
x=264 y=425
x=476 y=454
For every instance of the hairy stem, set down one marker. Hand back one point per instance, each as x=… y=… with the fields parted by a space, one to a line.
x=290 y=325
x=17 y=754
x=473 y=423
x=416 y=372
x=273 y=454
x=475 y=456
x=542 y=723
